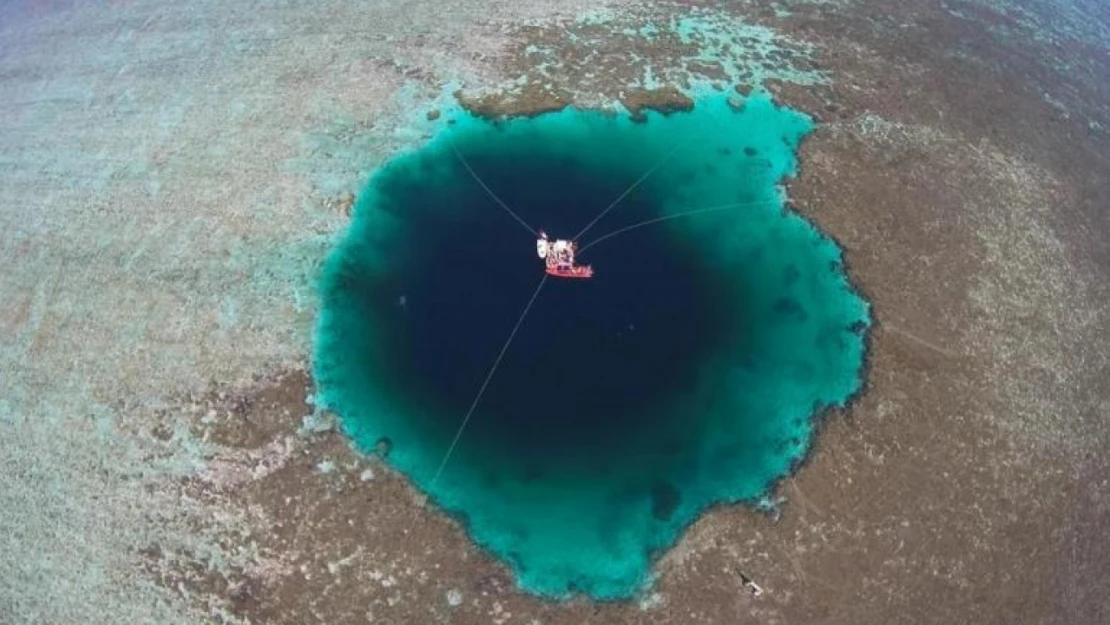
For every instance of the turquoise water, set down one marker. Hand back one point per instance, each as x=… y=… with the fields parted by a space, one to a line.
x=688 y=372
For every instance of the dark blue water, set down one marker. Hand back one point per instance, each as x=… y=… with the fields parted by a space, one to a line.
x=686 y=372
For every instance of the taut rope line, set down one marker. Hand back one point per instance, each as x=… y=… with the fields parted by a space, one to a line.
x=669 y=217
x=489 y=376
x=633 y=186
x=490 y=191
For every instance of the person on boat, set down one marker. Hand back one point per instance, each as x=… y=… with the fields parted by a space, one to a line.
x=564 y=254
x=543 y=246
x=558 y=255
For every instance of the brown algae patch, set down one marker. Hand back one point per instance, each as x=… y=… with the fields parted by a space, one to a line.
x=645 y=61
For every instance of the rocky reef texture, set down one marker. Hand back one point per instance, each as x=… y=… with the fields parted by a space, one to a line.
x=172 y=175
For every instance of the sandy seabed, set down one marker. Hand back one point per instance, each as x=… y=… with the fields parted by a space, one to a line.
x=171 y=176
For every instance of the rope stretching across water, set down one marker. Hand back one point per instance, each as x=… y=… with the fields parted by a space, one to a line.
x=594 y=221
x=489 y=377
x=490 y=191
x=633 y=186
x=669 y=217
x=535 y=294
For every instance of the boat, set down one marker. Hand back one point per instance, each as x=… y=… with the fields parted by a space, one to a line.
x=577 y=271
x=559 y=258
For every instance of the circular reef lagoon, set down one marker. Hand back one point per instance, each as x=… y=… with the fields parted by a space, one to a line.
x=689 y=370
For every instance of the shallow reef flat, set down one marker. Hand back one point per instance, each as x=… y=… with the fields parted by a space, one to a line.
x=174 y=177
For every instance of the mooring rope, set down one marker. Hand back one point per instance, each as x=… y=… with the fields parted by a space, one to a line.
x=490 y=191
x=489 y=376
x=633 y=186
x=656 y=220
